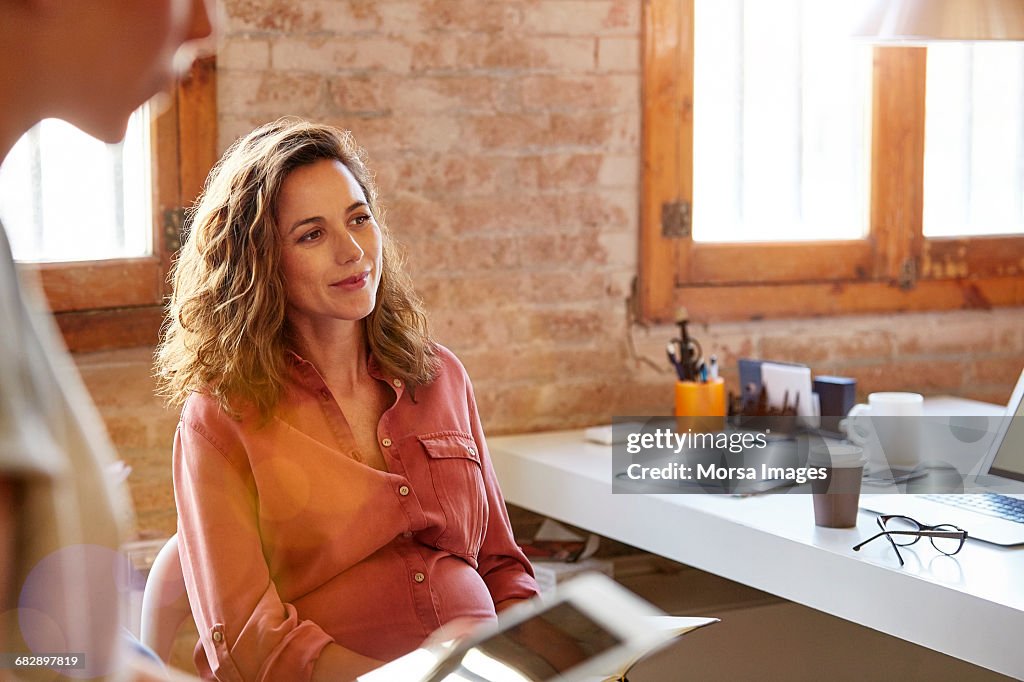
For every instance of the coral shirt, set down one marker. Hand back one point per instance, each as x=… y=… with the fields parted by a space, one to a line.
x=289 y=542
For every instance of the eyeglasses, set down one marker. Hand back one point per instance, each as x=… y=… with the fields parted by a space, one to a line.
x=903 y=531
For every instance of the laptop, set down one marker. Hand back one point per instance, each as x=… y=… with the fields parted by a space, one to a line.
x=991 y=517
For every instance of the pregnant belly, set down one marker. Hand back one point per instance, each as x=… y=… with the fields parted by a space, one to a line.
x=378 y=608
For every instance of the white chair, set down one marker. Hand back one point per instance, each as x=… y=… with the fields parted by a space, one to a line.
x=164 y=602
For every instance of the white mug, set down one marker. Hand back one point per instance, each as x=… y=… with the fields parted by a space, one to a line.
x=888 y=428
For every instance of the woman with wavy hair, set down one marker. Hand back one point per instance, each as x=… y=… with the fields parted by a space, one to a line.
x=336 y=502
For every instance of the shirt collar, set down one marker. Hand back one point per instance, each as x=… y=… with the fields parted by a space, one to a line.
x=308 y=375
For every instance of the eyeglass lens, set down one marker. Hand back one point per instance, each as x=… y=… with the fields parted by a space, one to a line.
x=902 y=523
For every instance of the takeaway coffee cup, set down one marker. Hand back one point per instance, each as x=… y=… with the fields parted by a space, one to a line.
x=888 y=428
x=836 y=497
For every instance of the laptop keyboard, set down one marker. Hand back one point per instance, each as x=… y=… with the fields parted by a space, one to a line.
x=990 y=504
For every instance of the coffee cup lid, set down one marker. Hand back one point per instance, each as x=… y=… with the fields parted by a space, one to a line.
x=837 y=455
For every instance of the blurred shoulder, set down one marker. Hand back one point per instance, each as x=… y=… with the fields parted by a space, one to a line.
x=204 y=413
x=450 y=368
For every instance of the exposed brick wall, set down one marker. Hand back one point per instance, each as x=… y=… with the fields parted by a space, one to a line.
x=506 y=140
x=505 y=136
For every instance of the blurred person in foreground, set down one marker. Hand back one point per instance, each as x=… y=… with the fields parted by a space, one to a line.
x=336 y=500
x=90 y=63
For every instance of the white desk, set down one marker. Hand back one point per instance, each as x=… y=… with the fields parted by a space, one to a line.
x=970 y=606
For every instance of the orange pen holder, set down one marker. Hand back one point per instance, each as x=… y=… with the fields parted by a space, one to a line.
x=700 y=406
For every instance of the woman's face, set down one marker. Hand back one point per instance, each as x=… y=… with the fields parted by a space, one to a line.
x=330 y=246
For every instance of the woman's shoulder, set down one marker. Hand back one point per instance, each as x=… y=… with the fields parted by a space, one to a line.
x=204 y=412
x=450 y=368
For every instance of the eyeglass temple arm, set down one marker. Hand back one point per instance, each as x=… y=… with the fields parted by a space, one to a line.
x=952 y=534
x=856 y=548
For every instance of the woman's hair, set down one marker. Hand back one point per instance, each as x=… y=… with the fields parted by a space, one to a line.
x=226 y=332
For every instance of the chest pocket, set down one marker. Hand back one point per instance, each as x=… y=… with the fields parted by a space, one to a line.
x=455 y=470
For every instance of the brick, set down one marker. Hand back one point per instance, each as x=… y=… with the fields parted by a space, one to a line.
x=271 y=93
x=556 y=131
x=319 y=54
x=401 y=132
x=558 y=171
x=428 y=54
x=621 y=249
x=582 y=17
x=361 y=16
x=474 y=291
x=927 y=377
x=1001 y=370
x=611 y=210
x=272 y=15
x=814 y=346
x=937 y=337
x=362 y=93
x=585 y=91
x=795 y=348
x=469 y=15
x=619 y=54
x=574 y=323
x=519 y=53
x=461 y=93
x=243 y=53
x=119 y=386
x=459 y=328
x=847 y=347
x=411 y=216
x=621 y=170
x=439 y=174
x=553 y=250
x=126 y=432
x=504 y=214
x=231 y=126
x=998 y=395
x=545 y=363
x=468 y=254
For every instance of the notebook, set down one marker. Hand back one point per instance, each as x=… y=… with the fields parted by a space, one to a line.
x=1002 y=469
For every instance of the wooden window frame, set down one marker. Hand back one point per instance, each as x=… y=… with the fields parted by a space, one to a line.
x=894 y=269
x=108 y=304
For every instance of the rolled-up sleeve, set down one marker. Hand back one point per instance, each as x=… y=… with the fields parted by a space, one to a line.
x=247 y=632
x=502 y=564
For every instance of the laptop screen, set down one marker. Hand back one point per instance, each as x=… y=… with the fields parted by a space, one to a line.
x=1009 y=459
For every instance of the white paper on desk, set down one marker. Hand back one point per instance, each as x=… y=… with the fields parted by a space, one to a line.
x=789 y=383
x=552 y=531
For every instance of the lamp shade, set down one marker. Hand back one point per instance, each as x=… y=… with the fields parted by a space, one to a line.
x=922 y=21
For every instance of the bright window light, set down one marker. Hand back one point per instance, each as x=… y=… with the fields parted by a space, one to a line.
x=974 y=140
x=66 y=196
x=782 y=121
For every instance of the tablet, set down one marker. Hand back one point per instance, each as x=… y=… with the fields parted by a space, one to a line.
x=589 y=628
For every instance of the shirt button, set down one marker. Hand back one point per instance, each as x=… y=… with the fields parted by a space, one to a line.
x=397 y=383
x=325 y=394
x=403 y=491
x=407 y=534
x=471 y=450
x=418 y=577
x=217 y=636
x=386 y=442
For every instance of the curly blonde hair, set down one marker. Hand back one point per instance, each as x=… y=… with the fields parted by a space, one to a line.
x=226 y=332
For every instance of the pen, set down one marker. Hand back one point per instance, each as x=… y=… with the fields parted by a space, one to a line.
x=713 y=369
x=670 y=352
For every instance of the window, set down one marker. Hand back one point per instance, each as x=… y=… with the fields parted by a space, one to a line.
x=67 y=196
x=790 y=171
x=102 y=249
